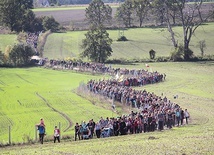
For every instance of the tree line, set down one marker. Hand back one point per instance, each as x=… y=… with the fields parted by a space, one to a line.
x=73 y=2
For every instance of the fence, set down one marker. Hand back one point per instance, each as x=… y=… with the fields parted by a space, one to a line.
x=36 y=133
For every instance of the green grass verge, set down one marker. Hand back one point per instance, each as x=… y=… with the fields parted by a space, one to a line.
x=192 y=82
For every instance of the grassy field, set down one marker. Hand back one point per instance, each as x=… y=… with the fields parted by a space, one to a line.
x=26 y=95
x=6 y=40
x=141 y=40
x=23 y=92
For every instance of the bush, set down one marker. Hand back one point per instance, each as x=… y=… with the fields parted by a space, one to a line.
x=20 y=55
x=177 y=54
x=122 y=38
x=152 y=54
x=162 y=59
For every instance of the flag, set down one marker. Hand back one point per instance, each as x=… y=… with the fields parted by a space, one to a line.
x=120 y=78
x=147 y=65
x=117 y=76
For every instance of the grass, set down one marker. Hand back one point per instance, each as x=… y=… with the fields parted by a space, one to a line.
x=26 y=95
x=192 y=82
x=67 y=7
x=142 y=40
x=60 y=8
x=7 y=40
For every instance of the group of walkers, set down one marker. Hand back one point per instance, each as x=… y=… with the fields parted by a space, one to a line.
x=152 y=112
x=126 y=77
x=32 y=40
x=136 y=122
x=42 y=132
x=121 y=91
x=79 y=66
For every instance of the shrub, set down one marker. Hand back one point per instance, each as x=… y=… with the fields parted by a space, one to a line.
x=177 y=54
x=162 y=59
x=152 y=54
x=122 y=38
x=20 y=55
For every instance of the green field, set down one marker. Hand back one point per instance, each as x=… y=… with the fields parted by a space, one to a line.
x=142 y=40
x=28 y=94
x=59 y=8
x=7 y=40
x=66 y=7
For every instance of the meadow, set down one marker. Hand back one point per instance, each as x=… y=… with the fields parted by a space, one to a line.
x=141 y=41
x=28 y=94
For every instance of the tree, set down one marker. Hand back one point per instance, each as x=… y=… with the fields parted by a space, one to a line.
x=20 y=55
x=28 y=4
x=202 y=46
x=12 y=13
x=98 y=14
x=49 y=23
x=124 y=13
x=190 y=16
x=28 y=23
x=141 y=8
x=97 y=45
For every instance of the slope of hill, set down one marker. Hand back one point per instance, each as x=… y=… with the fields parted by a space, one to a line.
x=141 y=41
x=192 y=82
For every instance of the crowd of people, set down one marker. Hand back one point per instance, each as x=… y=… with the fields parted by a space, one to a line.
x=152 y=112
x=32 y=40
x=147 y=120
x=79 y=66
x=126 y=77
x=121 y=91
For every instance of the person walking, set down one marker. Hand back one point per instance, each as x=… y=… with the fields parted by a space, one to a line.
x=186 y=115
x=77 y=131
x=56 y=134
x=178 y=116
x=182 y=116
x=41 y=128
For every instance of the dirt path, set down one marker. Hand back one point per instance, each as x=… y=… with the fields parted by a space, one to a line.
x=42 y=41
x=62 y=114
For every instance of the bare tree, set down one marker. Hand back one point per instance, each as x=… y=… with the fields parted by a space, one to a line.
x=190 y=16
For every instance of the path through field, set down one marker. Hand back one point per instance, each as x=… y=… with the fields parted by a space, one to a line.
x=54 y=109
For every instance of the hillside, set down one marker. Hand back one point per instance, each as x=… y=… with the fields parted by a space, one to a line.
x=192 y=82
x=141 y=40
